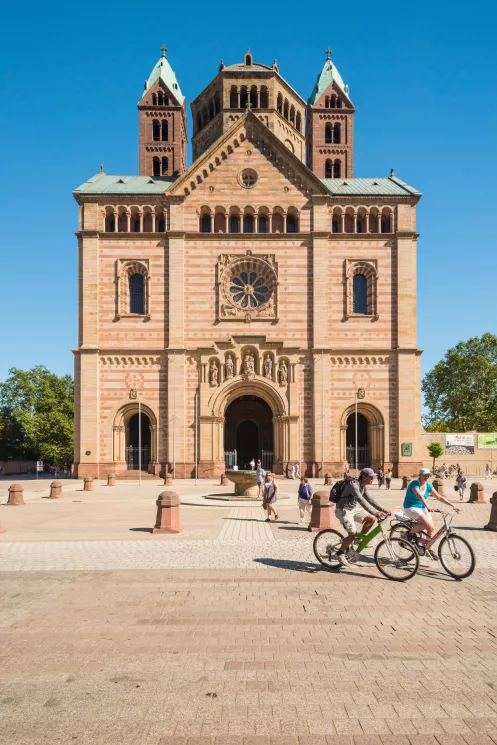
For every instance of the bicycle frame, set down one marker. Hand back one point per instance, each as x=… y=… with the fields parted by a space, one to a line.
x=445 y=529
x=365 y=538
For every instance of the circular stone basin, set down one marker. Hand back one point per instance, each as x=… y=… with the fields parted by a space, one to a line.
x=245 y=483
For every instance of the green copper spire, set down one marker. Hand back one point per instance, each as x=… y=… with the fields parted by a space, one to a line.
x=329 y=74
x=164 y=71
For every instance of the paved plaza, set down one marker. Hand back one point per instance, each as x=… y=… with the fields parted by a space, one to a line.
x=230 y=633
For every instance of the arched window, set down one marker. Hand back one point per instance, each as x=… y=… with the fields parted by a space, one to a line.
x=148 y=221
x=248 y=223
x=279 y=104
x=291 y=223
x=161 y=225
x=360 y=290
x=299 y=122
x=165 y=130
x=154 y=99
x=277 y=222
x=264 y=104
x=292 y=114
x=263 y=224
x=161 y=99
x=327 y=102
x=339 y=103
x=333 y=102
x=137 y=294
x=234 y=224
x=156 y=130
x=328 y=135
x=328 y=169
x=334 y=226
x=165 y=166
x=285 y=109
x=166 y=100
x=243 y=97
x=233 y=97
x=136 y=224
x=110 y=224
x=336 y=133
x=220 y=222
x=253 y=98
x=360 y=224
x=337 y=170
x=205 y=223
x=156 y=163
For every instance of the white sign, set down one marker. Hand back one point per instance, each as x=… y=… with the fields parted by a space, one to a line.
x=459 y=444
x=39 y=465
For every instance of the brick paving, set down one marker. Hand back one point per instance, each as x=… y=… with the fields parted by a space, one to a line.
x=236 y=639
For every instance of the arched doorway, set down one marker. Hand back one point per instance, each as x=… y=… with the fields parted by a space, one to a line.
x=361 y=459
x=138 y=443
x=248 y=432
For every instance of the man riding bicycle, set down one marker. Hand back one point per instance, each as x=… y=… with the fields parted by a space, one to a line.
x=356 y=505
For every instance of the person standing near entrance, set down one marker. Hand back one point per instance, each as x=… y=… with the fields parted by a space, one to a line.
x=252 y=464
x=259 y=477
x=270 y=496
x=380 y=477
x=388 y=477
x=305 y=494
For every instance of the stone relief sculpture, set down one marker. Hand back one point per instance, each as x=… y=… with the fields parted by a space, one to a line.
x=229 y=367
x=248 y=365
x=268 y=367
x=213 y=372
x=283 y=373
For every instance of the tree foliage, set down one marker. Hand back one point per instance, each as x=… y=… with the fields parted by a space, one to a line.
x=37 y=415
x=461 y=390
x=435 y=450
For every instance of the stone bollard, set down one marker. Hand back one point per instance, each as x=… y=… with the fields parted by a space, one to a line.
x=477 y=493
x=439 y=486
x=111 y=479
x=88 y=484
x=322 y=512
x=55 y=490
x=492 y=523
x=168 y=478
x=327 y=479
x=15 y=495
x=224 y=480
x=405 y=482
x=168 y=513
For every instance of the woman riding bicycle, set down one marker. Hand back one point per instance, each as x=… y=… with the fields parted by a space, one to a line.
x=417 y=508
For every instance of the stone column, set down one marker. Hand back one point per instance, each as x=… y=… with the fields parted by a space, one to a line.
x=367 y=222
x=16 y=497
x=168 y=513
x=322 y=512
x=56 y=490
x=477 y=493
x=492 y=523
x=379 y=222
x=127 y=221
x=343 y=221
x=140 y=215
x=355 y=221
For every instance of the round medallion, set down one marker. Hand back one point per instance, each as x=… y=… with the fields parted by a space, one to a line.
x=248 y=178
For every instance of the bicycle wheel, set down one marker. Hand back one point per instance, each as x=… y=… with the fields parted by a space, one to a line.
x=325 y=547
x=398 y=531
x=456 y=556
x=396 y=559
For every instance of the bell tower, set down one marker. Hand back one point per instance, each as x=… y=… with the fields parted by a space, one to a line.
x=330 y=125
x=162 y=123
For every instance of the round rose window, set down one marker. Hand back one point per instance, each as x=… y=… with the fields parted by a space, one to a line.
x=248 y=178
x=249 y=289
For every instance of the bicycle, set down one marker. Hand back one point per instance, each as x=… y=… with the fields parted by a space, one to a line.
x=454 y=552
x=394 y=557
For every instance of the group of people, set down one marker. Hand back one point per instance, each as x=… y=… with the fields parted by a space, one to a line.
x=384 y=477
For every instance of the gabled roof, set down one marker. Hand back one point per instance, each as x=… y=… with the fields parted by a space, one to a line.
x=370 y=187
x=255 y=122
x=328 y=75
x=102 y=183
x=164 y=72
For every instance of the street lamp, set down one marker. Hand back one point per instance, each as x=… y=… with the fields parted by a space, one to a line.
x=360 y=393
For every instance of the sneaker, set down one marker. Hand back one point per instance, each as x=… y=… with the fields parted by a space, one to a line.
x=432 y=554
x=342 y=560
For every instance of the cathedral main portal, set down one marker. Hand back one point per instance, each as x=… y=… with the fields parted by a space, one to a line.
x=248 y=432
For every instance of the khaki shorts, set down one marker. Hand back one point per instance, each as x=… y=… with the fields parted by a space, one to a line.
x=348 y=518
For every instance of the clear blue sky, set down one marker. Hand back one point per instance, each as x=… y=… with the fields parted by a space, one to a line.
x=422 y=77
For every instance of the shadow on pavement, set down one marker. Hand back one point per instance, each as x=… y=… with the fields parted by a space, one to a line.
x=141 y=530
x=296 y=566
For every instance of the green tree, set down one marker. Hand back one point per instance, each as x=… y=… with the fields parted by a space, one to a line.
x=461 y=390
x=37 y=415
x=435 y=450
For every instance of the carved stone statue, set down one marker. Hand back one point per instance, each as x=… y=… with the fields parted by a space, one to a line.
x=213 y=373
x=248 y=365
x=283 y=373
x=268 y=367
x=229 y=367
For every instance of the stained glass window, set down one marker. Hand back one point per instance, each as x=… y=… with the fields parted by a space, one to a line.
x=136 y=294
x=249 y=289
x=360 y=287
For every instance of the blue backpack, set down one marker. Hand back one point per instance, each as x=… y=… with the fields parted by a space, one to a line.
x=304 y=492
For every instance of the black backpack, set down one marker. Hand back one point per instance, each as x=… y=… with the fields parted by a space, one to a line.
x=338 y=487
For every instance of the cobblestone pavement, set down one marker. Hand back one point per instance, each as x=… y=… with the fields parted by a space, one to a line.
x=224 y=657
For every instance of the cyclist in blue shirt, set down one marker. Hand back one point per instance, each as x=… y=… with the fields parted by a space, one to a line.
x=415 y=505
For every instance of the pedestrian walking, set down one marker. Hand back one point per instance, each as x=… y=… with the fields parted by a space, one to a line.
x=297 y=471
x=488 y=472
x=252 y=464
x=305 y=494
x=380 y=477
x=445 y=469
x=388 y=477
x=259 y=477
x=293 y=471
x=461 y=485
x=270 y=496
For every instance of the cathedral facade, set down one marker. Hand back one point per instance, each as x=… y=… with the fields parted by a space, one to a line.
x=260 y=303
